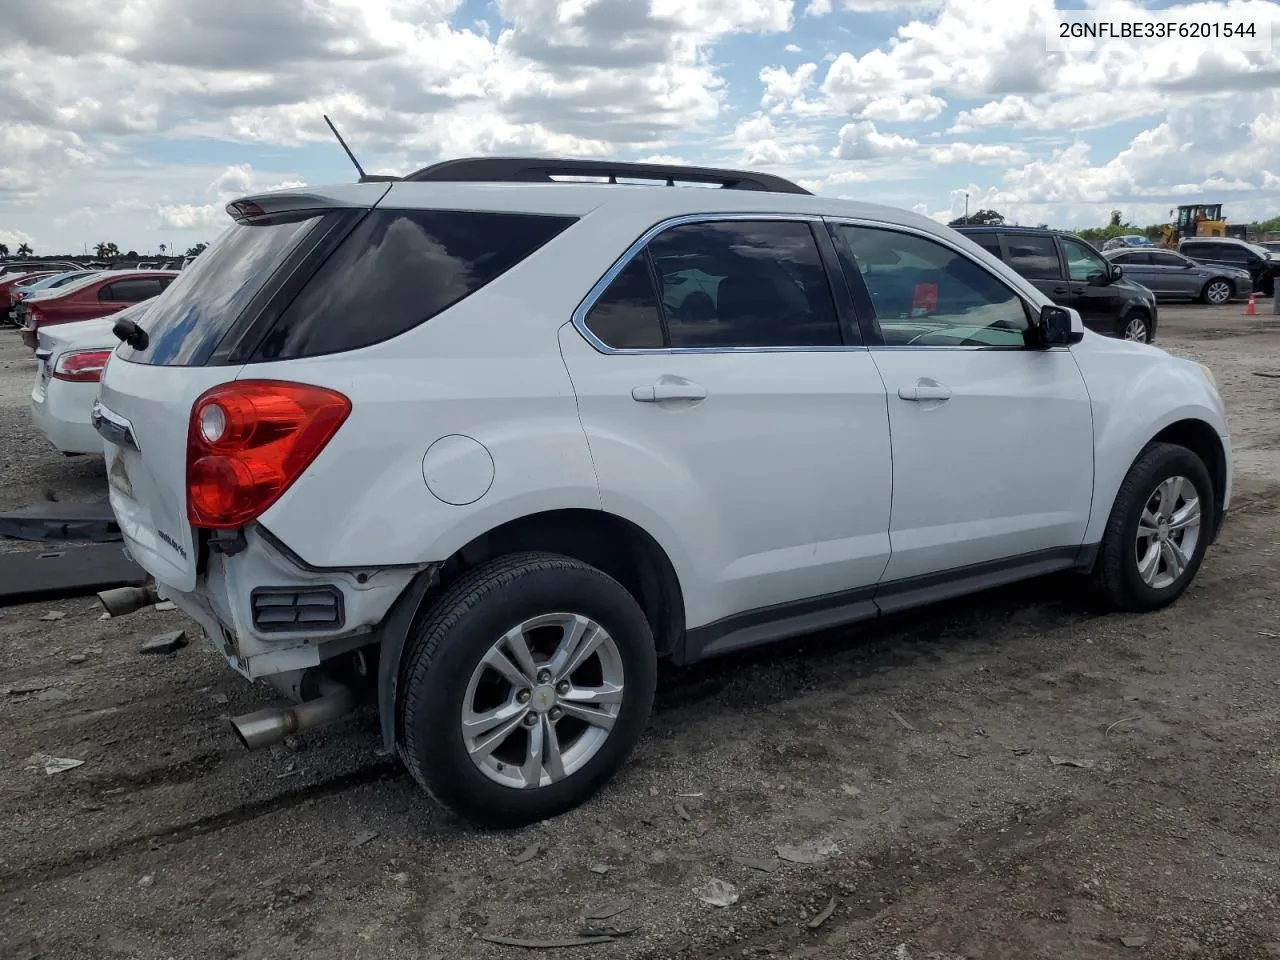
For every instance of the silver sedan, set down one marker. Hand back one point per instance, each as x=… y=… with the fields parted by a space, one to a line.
x=1171 y=275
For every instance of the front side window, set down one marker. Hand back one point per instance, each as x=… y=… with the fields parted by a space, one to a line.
x=1033 y=256
x=1083 y=264
x=926 y=294
x=723 y=284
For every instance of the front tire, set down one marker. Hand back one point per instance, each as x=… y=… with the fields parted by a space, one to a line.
x=525 y=689
x=1136 y=326
x=1158 y=530
x=1218 y=291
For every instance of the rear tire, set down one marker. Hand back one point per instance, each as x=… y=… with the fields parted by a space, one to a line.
x=1218 y=291
x=1136 y=326
x=1165 y=505
x=560 y=731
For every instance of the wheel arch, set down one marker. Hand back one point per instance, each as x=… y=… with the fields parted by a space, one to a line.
x=1202 y=440
x=613 y=544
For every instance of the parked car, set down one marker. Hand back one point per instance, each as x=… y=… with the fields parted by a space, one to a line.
x=1171 y=275
x=20 y=291
x=36 y=266
x=70 y=358
x=1229 y=251
x=11 y=280
x=1271 y=246
x=1129 y=240
x=469 y=452
x=1073 y=274
x=103 y=293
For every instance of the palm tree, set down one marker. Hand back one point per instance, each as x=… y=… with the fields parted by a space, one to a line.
x=4 y=249
x=24 y=249
x=163 y=248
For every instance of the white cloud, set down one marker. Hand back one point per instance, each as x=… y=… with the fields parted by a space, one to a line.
x=904 y=109
x=235 y=181
x=861 y=140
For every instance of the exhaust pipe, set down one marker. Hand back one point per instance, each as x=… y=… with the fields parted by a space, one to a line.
x=266 y=727
x=124 y=600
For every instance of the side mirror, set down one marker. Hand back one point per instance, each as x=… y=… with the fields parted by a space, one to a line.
x=1060 y=327
x=1117 y=271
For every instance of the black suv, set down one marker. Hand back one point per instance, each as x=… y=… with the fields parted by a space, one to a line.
x=1235 y=253
x=1073 y=274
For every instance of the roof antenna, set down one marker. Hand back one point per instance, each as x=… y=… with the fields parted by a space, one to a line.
x=364 y=177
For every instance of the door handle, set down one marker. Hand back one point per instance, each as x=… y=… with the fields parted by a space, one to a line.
x=924 y=389
x=1061 y=290
x=672 y=388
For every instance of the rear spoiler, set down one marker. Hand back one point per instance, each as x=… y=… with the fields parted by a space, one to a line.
x=265 y=207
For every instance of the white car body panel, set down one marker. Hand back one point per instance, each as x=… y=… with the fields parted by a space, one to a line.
x=60 y=408
x=801 y=475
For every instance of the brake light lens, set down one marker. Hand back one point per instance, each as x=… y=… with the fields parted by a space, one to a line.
x=249 y=440
x=81 y=366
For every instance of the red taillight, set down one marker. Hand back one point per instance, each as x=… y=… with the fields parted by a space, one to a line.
x=81 y=366
x=248 y=440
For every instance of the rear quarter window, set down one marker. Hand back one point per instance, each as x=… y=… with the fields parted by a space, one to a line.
x=396 y=270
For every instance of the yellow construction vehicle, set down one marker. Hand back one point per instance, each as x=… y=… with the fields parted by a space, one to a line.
x=1194 y=220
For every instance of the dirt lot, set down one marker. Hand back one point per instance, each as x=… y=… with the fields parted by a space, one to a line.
x=913 y=759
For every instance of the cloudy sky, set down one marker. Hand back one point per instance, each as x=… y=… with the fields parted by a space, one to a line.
x=135 y=122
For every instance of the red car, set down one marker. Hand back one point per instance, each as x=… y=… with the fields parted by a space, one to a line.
x=16 y=279
x=97 y=296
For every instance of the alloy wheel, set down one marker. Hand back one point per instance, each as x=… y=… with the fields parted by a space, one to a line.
x=1135 y=329
x=1168 y=530
x=1218 y=292
x=542 y=701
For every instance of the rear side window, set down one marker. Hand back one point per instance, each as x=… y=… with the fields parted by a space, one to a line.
x=1164 y=259
x=1131 y=259
x=132 y=290
x=398 y=269
x=723 y=284
x=989 y=242
x=1035 y=257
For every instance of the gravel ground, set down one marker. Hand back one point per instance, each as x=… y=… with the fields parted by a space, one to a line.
x=910 y=763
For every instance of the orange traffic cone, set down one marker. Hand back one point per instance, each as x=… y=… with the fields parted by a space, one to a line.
x=1252 y=309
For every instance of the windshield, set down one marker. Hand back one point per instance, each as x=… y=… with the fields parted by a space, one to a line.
x=191 y=317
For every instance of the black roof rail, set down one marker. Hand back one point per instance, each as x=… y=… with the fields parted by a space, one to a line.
x=544 y=169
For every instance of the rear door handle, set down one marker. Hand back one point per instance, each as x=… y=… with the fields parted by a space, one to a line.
x=1061 y=290
x=924 y=389
x=669 y=388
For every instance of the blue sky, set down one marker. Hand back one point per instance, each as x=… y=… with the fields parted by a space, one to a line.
x=137 y=129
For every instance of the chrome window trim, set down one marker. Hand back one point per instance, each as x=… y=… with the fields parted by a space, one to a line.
x=597 y=290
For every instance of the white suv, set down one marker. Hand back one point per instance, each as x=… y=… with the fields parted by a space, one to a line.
x=483 y=445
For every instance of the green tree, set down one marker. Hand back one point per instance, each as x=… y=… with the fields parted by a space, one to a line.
x=163 y=248
x=979 y=218
x=131 y=255
x=24 y=249
x=106 y=251
x=198 y=249
x=4 y=249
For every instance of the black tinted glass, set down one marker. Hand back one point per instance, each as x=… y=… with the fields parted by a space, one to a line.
x=207 y=298
x=130 y=291
x=397 y=269
x=1167 y=260
x=626 y=316
x=989 y=242
x=1036 y=258
x=744 y=284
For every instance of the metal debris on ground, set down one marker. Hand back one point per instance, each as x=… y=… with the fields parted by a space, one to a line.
x=53 y=615
x=170 y=642
x=606 y=911
x=902 y=720
x=545 y=944
x=1107 y=733
x=600 y=868
x=825 y=915
x=363 y=837
x=763 y=864
x=1068 y=762
x=54 y=765
x=717 y=893
x=811 y=851
x=528 y=853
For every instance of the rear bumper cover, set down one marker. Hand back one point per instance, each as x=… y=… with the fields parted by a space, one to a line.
x=222 y=604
